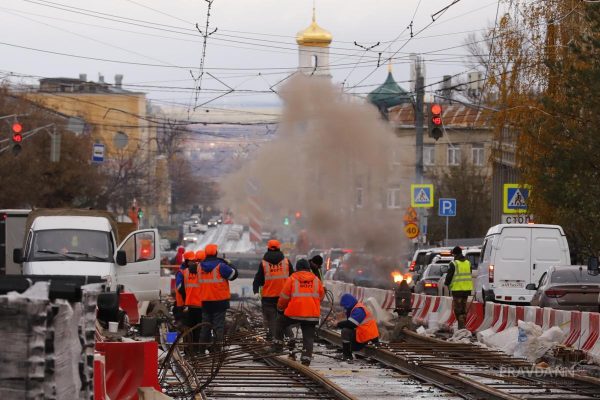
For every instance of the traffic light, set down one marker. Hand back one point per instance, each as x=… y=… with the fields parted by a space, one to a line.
x=298 y=215
x=140 y=213
x=17 y=137
x=435 y=121
x=286 y=221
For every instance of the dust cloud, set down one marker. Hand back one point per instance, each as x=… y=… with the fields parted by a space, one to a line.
x=332 y=153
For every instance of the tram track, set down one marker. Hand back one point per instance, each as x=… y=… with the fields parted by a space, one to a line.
x=474 y=372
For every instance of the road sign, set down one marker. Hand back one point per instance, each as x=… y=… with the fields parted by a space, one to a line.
x=421 y=195
x=517 y=219
x=98 y=153
x=447 y=208
x=515 y=198
x=410 y=216
x=411 y=230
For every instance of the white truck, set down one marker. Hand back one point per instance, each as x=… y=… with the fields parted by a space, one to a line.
x=514 y=255
x=86 y=242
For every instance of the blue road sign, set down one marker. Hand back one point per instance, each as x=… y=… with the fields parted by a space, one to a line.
x=515 y=198
x=447 y=208
x=98 y=153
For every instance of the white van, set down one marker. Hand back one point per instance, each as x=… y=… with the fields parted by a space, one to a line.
x=514 y=255
x=86 y=244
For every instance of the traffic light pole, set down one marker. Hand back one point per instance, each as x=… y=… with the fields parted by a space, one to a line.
x=54 y=140
x=419 y=123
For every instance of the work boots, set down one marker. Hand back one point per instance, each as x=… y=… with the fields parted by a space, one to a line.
x=347 y=351
x=305 y=361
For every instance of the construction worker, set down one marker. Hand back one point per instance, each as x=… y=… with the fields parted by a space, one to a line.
x=215 y=274
x=300 y=303
x=272 y=274
x=359 y=328
x=315 y=266
x=459 y=280
x=193 y=301
x=188 y=258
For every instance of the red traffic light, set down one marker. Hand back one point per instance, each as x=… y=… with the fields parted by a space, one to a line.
x=436 y=109
x=17 y=127
x=437 y=120
x=17 y=137
x=298 y=214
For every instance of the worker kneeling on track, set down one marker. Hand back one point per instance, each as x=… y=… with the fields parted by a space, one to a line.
x=359 y=328
x=273 y=272
x=300 y=303
x=193 y=299
x=215 y=274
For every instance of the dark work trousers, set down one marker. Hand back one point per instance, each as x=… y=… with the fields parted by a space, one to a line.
x=349 y=336
x=459 y=304
x=194 y=317
x=217 y=324
x=269 y=312
x=308 y=333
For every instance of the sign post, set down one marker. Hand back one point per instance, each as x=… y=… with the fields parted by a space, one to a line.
x=98 y=153
x=447 y=208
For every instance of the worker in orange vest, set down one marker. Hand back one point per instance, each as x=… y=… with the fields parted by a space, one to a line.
x=300 y=303
x=188 y=258
x=273 y=271
x=359 y=328
x=193 y=299
x=215 y=274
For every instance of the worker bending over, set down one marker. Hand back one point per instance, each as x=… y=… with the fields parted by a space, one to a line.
x=359 y=328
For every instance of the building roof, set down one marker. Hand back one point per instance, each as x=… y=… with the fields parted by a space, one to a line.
x=314 y=35
x=389 y=94
x=454 y=115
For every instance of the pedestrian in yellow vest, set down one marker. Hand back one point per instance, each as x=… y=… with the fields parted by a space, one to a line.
x=459 y=280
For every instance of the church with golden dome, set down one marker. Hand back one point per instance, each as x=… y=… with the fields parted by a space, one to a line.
x=313 y=49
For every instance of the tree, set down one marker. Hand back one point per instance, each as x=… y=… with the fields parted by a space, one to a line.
x=470 y=186
x=30 y=179
x=546 y=71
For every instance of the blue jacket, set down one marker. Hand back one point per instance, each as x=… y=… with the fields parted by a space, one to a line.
x=355 y=316
x=228 y=272
x=179 y=279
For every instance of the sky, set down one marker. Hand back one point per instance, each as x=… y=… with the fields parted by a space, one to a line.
x=155 y=44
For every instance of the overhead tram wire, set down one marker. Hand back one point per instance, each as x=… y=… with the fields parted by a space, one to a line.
x=438 y=14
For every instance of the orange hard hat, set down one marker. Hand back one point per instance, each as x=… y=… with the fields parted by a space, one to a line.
x=273 y=244
x=200 y=255
x=211 y=250
x=189 y=255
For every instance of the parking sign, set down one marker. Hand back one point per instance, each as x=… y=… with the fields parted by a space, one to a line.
x=447 y=208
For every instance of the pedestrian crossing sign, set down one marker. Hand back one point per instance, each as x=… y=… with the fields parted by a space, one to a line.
x=515 y=198
x=421 y=195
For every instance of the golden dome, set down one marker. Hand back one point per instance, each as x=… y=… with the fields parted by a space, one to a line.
x=314 y=35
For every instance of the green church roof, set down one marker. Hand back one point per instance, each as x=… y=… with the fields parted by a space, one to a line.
x=389 y=94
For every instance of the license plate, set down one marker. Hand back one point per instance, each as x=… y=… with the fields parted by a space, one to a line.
x=512 y=284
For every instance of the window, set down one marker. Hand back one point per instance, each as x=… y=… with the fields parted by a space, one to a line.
x=72 y=245
x=477 y=153
x=393 y=198
x=453 y=155
x=428 y=155
x=359 y=197
x=140 y=247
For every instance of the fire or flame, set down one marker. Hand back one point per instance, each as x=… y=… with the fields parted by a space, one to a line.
x=408 y=278
x=397 y=277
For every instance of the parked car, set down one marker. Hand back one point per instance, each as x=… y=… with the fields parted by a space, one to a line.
x=428 y=284
x=515 y=255
x=568 y=287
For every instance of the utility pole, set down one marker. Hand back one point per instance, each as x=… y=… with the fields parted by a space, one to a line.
x=419 y=122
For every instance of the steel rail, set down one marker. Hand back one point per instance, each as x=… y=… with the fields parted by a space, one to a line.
x=444 y=380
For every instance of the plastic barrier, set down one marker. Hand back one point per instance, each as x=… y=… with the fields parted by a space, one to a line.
x=447 y=319
x=99 y=377
x=129 y=366
x=475 y=316
x=129 y=304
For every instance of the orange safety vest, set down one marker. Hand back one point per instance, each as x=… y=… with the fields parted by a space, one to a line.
x=213 y=287
x=305 y=301
x=192 y=289
x=367 y=329
x=179 y=301
x=275 y=277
